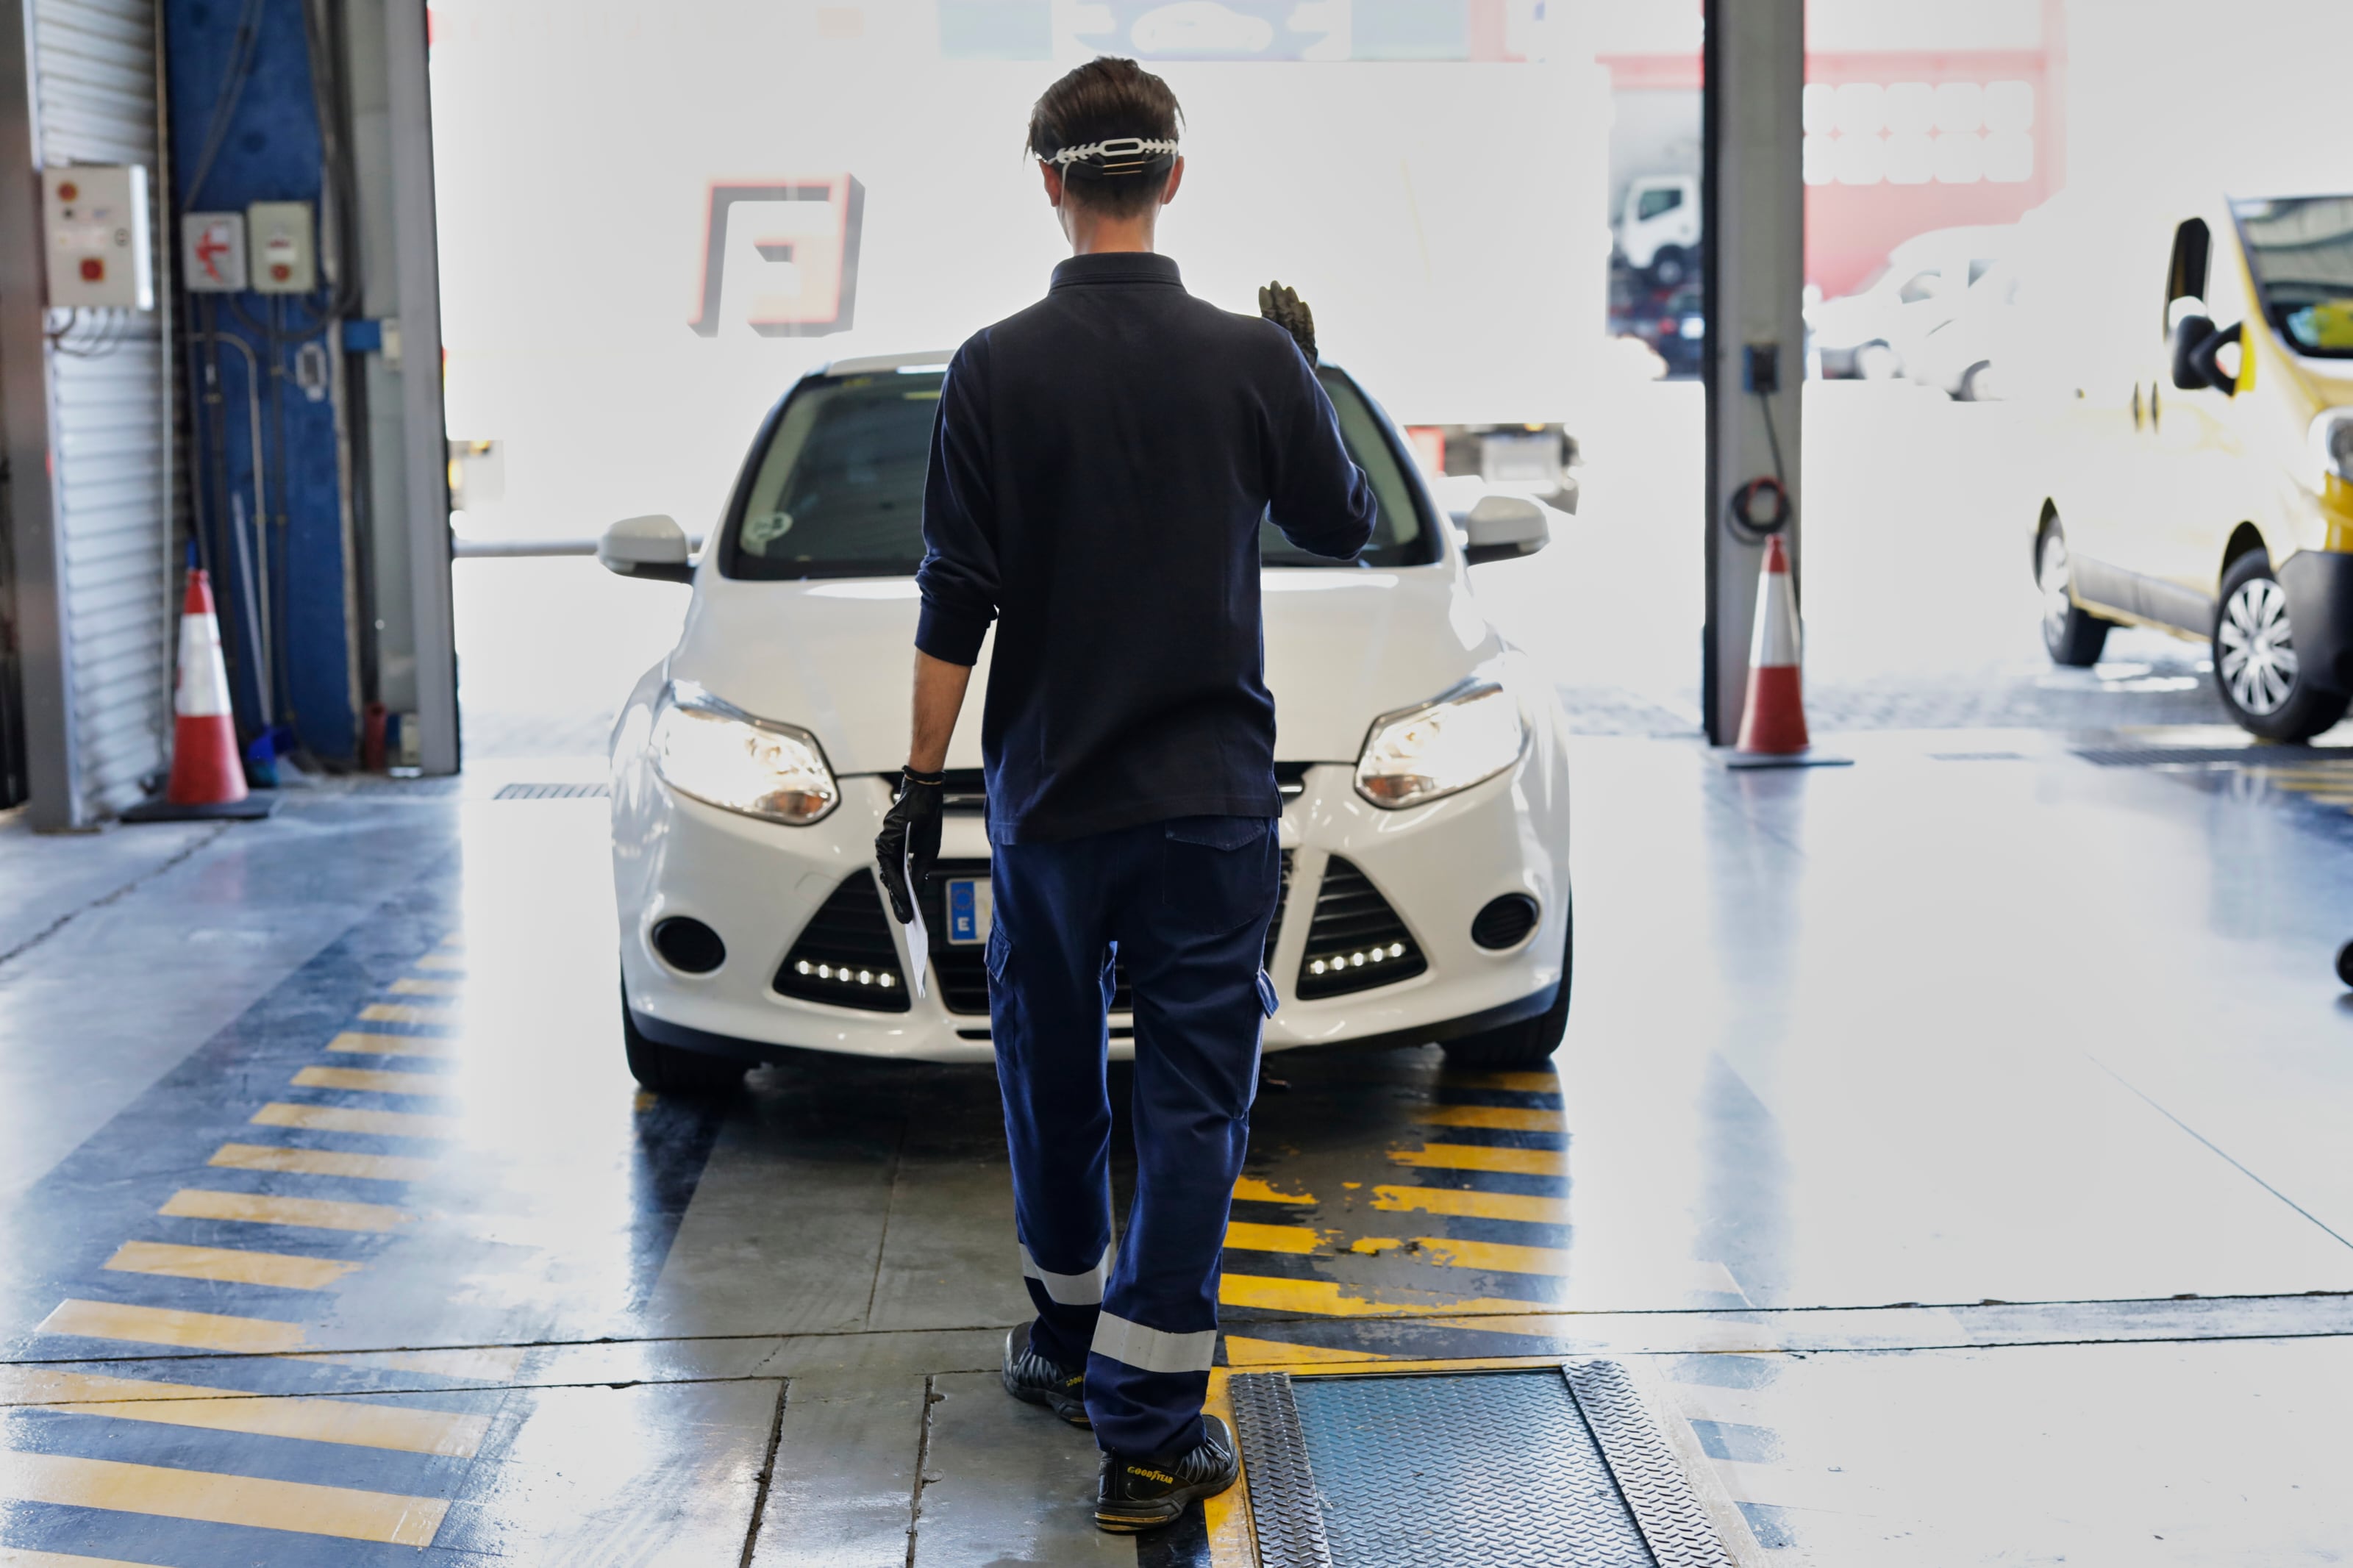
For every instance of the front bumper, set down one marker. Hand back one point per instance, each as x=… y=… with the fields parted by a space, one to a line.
x=757 y=884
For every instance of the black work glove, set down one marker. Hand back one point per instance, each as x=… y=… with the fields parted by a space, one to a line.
x=1286 y=309
x=911 y=834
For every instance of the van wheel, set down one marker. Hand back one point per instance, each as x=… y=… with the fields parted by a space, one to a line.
x=2255 y=666
x=2072 y=634
x=666 y=1069
x=1670 y=267
x=1877 y=362
x=1528 y=1043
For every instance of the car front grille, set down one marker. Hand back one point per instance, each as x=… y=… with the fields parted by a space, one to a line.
x=963 y=971
x=845 y=954
x=1356 y=940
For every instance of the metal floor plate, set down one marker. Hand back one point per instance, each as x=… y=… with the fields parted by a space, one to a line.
x=1490 y=1469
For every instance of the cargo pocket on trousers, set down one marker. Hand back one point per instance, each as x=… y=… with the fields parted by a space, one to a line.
x=1217 y=872
x=1000 y=949
x=1267 y=1000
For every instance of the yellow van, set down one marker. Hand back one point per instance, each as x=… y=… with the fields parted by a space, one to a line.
x=2203 y=480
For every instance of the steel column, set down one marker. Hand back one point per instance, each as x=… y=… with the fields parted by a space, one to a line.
x=1753 y=207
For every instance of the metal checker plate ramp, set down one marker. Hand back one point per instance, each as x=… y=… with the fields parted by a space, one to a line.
x=1471 y=1470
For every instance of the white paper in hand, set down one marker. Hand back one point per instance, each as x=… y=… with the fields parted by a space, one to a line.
x=919 y=941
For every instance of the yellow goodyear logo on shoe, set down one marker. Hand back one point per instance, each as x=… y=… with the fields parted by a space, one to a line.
x=1164 y=1478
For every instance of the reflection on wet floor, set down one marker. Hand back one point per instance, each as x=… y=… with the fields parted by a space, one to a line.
x=400 y=1259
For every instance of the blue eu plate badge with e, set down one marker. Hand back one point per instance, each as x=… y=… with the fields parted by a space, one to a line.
x=969 y=907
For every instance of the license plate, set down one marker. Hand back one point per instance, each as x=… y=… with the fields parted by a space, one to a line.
x=968 y=910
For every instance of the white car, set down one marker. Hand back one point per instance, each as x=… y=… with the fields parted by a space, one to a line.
x=1420 y=758
x=1877 y=333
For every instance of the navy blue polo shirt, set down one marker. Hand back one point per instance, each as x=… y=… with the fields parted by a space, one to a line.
x=1099 y=469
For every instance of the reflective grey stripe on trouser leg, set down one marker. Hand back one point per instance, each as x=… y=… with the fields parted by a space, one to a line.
x=1152 y=1349
x=1070 y=1289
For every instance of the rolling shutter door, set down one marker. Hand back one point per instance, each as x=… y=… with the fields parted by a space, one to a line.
x=95 y=102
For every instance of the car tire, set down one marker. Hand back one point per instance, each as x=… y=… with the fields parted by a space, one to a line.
x=1977 y=385
x=1877 y=362
x=2255 y=667
x=1530 y=1042
x=1670 y=267
x=2072 y=634
x=668 y=1069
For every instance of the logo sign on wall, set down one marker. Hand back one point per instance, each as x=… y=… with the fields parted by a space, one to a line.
x=781 y=255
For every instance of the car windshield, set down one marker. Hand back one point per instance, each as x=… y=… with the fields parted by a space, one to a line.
x=839 y=492
x=2302 y=255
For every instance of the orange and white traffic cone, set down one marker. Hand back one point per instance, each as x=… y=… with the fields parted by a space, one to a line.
x=207 y=775
x=1773 y=717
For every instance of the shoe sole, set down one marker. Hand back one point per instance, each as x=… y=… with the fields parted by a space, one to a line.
x=1069 y=1410
x=1171 y=1509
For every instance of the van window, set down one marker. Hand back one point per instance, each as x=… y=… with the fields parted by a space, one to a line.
x=2301 y=252
x=1650 y=204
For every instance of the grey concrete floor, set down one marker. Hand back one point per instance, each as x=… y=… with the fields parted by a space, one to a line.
x=1955 y=1140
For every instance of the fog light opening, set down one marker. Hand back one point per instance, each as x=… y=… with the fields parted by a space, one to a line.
x=689 y=946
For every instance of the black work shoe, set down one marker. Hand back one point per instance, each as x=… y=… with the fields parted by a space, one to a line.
x=1144 y=1494
x=1032 y=1379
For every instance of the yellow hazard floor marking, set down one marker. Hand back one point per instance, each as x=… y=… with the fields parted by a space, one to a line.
x=441 y=960
x=406 y=986
x=227 y=1265
x=1324 y=1298
x=322 y=1162
x=257 y=1208
x=373 y=1082
x=483 y=1364
x=1501 y=1258
x=1249 y=1238
x=1521 y=1207
x=359 y=1042
x=1517 y=1082
x=1250 y=1189
x=359 y=1422
x=335 y=1119
x=171 y=1326
x=1508 y=1118
x=1241 y=1351
x=341 y=1511
x=404 y=1013
x=1480 y=1157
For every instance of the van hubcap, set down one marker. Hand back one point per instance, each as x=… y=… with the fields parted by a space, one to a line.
x=2055 y=601
x=2258 y=663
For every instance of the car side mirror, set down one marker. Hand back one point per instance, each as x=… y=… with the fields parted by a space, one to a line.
x=652 y=546
x=2189 y=334
x=1503 y=528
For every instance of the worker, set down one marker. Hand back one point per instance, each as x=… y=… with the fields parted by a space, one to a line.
x=1101 y=465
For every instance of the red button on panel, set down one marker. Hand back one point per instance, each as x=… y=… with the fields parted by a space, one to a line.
x=93 y=270
x=69 y=192
x=280 y=271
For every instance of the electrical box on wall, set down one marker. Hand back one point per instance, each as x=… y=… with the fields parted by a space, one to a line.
x=285 y=259
x=95 y=218
x=212 y=253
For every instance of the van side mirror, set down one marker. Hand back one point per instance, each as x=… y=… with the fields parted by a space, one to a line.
x=652 y=546
x=2197 y=350
x=1503 y=528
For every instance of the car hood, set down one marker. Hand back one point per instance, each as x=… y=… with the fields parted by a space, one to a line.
x=836 y=657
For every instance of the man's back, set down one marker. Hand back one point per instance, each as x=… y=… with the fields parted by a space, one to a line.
x=1100 y=468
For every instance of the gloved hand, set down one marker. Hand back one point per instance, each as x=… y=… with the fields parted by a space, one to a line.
x=1286 y=309
x=909 y=837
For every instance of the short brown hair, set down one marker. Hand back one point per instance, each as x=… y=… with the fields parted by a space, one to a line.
x=1107 y=97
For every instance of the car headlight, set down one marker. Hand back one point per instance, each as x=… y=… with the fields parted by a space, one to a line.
x=724 y=757
x=2332 y=444
x=1464 y=738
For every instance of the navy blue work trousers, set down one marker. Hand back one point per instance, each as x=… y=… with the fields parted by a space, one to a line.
x=1185 y=904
